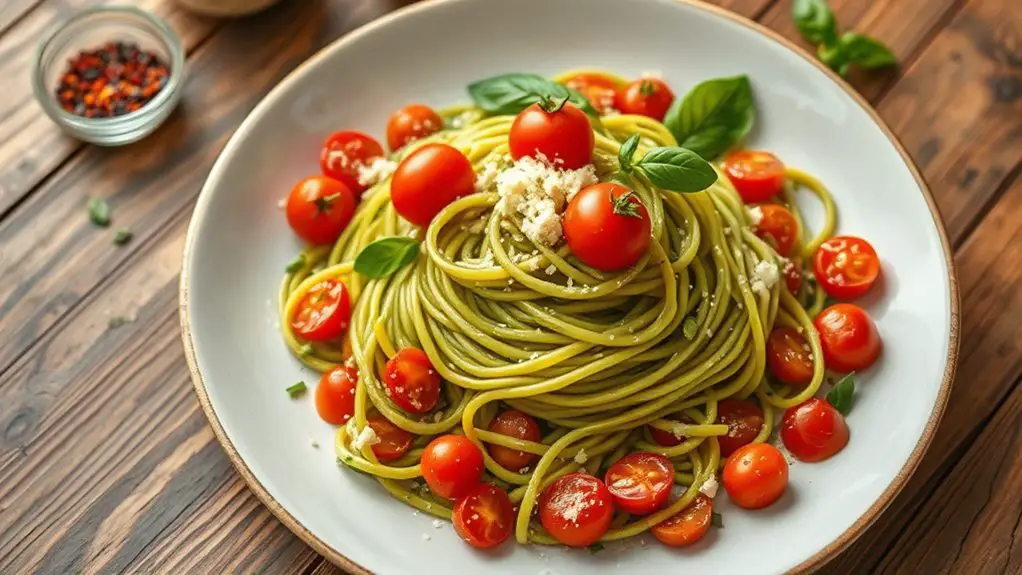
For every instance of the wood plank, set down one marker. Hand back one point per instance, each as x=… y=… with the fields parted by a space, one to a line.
x=32 y=144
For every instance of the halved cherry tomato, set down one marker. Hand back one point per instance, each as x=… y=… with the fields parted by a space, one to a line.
x=666 y=438
x=649 y=97
x=484 y=516
x=756 y=475
x=411 y=123
x=788 y=357
x=846 y=266
x=576 y=509
x=758 y=176
x=344 y=153
x=640 y=482
x=778 y=226
x=563 y=137
x=335 y=395
x=607 y=227
x=744 y=420
x=599 y=90
x=324 y=312
x=411 y=381
x=513 y=423
x=428 y=179
x=393 y=441
x=792 y=276
x=814 y=430
x=688 y=525
x=319 y=208
x=451 y=465
x=848 y=336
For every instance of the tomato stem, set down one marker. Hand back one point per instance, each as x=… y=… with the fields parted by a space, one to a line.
x=623 y=205
x=551 y=104
x=323 y=204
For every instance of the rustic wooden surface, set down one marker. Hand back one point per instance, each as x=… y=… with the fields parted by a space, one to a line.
x=106 y=461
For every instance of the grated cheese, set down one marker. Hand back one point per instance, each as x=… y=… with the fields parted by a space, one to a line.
x=709 y=487
x=755 y=215
x=488 y=177
x=764 y=277
x=378 y=170
x=581 y=457
x=540 y=192
x=365 y=437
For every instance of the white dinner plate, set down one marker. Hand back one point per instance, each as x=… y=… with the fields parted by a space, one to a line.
x=239 y=243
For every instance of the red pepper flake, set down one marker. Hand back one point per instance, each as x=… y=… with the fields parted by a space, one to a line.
x=116 y=79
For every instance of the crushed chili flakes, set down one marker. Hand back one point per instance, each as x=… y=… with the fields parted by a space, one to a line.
x=113 y=80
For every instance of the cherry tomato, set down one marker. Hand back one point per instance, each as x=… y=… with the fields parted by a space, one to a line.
x=792 y=276
x=335 y=395
x=344 y=153
x=607 y=227
x=428 y=179
x=688 y=525
x=319 y=208
x=778 y=226
x=846 y=266
x=411 y=381
x=814 y=431
x=848 y=337
x=576 y=509
x=640 y=482
x=756 y=476
x=451 y=465
x=324 y=312
x=484 y=516
x=599 y=90
x=513 y=423
x=788 y=357
x=666 y=438
x=758 y=176
x=744 y=420
x=649 y=97
x=564 y=137
x=393 y=441
x=412 y=123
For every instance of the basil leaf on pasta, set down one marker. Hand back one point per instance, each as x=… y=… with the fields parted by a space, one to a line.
x=512 y=93
x=624 y=156
x=713 y=116
x=840 y=396
x=677 y=170
x=386 y=256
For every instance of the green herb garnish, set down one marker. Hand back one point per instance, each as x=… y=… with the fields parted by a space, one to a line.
x=596 y=548
x=717 y=520
x=840 y=396
x=386 y=256
x=297 y=390
x=117 y=321
x=296 y=264
x=123 y=236
x=99 y=212
x=511 y=93
x=713 y=117
x=816 y=22
x=689 y=327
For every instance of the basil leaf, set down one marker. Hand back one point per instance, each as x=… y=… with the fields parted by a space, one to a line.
x=866 y=52
x=815 y=21
x=123 y=236
x=677 y=170
x=834 y=58
x=296 y=264
x=99 y=212
x=511 y=93
x=717 y=520
x=713 y=116
x=624 y=155
x=384 y=257
x=297 y=390
x=596 y=548
x=840 y=396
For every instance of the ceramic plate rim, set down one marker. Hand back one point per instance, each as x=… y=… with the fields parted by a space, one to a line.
x=812 y=563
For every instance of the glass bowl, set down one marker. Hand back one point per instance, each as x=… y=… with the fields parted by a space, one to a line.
x=90 y=29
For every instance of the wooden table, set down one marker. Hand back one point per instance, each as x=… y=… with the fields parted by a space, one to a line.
x=107 y=463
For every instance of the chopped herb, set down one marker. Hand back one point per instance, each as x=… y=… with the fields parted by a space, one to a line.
x=689 y=328
x=122 y=236
x=99 y=212
x=296 y=264
x=596 y=548
x=117 y=321
x=717 y=520
x=840 y=396
x=306 y=350
x=297 y=390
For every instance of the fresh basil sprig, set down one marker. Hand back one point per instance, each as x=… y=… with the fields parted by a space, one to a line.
x=512 y=93
x=815 y=21
x=840 y=396
x=386 y=256
x=713 y=116
x=676 y=170
x=627 y=151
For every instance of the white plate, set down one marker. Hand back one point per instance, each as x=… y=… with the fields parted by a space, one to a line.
x=239 y=243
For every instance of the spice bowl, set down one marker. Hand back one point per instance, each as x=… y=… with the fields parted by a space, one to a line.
x=132 y=108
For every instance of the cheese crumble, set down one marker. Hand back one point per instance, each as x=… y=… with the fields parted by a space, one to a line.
x=365 y=437
x=764 y=277
x=709 y=487
x=540 y=192
x=755 y=215
x=376 y=171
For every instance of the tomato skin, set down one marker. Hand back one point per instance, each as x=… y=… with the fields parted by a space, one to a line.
x=319 y=208
x=394 y=441
x=428 y=179
x=846 y=266
x=411 y=381
x=600 y=237
x=484 y=516
x=788 y=357
x=650 y=97
x=324 y=312
x=849 y=338
x=344 y=153
x=514 y=423
x=756 y=175
x=599 y=90
x=564 y=138
x=413 y=122
x=640 y=482
x=756 y=475
x=792 y=276
x=666 y=438
x=335 y=395
x=744 y=420
x=814 y=431
x=688 y=525
x=779 y=225
x=451 y=465
x=559 y=502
